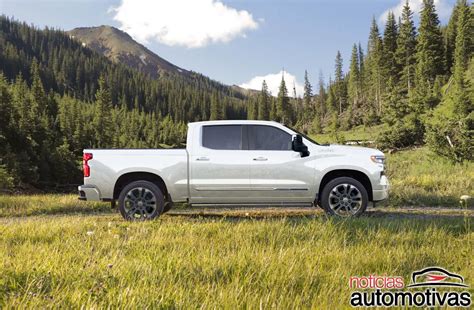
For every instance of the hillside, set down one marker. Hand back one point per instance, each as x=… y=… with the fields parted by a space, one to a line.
x=58 y=97
x=119 y=47
x=68 y=67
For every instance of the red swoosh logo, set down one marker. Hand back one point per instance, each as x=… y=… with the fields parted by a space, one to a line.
x=435 y=277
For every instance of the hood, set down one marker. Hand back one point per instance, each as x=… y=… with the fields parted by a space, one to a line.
x=352 y=150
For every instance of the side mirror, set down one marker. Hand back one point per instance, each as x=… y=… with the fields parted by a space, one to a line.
x=298 y=146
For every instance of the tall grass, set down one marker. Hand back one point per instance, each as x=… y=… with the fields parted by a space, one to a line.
x=26 y=205
x=185 y=262
x=418 y=177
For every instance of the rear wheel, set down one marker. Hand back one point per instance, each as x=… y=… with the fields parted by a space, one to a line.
x=344 y=197
x=141 y=201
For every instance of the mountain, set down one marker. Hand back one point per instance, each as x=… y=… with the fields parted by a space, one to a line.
x=119 y=47
x=71 y=67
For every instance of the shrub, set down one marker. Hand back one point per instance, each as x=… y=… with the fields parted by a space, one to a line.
x=6 y=181
x=406 y=132
x=449 y=134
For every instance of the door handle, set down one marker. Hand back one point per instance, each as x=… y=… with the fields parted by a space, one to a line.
x=202 y=159
x=260 y=159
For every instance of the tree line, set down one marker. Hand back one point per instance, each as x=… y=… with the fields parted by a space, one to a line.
x=43 y=134
x=419 y=83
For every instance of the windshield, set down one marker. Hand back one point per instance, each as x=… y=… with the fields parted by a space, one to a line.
x=303 y=135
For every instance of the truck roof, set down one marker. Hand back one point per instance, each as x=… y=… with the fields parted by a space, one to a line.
x=235 y=122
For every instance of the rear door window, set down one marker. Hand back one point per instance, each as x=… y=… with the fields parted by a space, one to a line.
x=222 y=137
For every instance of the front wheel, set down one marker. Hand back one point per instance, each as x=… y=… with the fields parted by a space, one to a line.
x=345 y=197
x=141 y=201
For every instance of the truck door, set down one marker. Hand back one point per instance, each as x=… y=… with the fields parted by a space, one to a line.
x=219 y=165
x=277 y=173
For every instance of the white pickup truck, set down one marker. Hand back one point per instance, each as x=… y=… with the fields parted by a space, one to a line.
x=236 y=163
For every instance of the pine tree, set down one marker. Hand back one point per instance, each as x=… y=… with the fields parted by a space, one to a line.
x=406 y=49
x=339 y=84
x=102 y=120
x=283 y=112
x=319 y=106
x=6 y=115
x=39 y=102
x=354 y=83
x=362 y=78
x=463 y=53
x=390 y=37
x=216 y=108
x=450 y=37
x=225 y=104
x=264 y=103
x=331 y=103
x=21 y=101
x=308 y=106
x=252 y=109
x=273 y=110
x=361 y=60
x=374 y=72
x=308 y=91
x=430 y=51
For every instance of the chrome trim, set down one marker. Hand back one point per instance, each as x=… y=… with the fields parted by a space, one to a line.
x=249 y=189
x=219 y=189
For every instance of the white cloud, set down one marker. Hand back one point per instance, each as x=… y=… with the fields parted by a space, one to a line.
x=190 y=23
x=443 y=8
x=273 y=81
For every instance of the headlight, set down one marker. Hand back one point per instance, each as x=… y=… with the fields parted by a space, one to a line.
x=378 y=159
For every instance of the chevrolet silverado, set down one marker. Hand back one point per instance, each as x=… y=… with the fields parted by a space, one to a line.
x=236 y=163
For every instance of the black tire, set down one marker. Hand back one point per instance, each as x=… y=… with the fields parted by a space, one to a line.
x=317 y=204
x=344 y=197
x=168 y=206
x=141 y=201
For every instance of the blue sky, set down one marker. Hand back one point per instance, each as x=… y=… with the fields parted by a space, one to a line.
x=230 y=41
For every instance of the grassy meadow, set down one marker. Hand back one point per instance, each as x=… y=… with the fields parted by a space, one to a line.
x=420 y=178
x=95 y=259
x=58 y=252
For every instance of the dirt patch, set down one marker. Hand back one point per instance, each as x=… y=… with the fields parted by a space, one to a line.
x=273 y=212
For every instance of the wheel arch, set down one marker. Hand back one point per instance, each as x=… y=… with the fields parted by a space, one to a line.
x=127 y=178
x=355 y=174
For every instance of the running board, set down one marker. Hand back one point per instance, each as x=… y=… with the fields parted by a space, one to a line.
x=269 y=205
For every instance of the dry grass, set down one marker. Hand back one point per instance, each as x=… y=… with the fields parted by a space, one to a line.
x=420 y=178
x=286 y=260
x=27 y=205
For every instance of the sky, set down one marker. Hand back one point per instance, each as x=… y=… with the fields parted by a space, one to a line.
x=236 y=42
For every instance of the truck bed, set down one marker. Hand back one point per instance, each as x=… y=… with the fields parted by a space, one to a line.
x=107 y=165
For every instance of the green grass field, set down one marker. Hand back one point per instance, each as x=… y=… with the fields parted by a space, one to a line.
x=88 y=256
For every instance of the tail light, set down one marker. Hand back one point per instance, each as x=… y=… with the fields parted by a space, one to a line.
x=85 y=164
